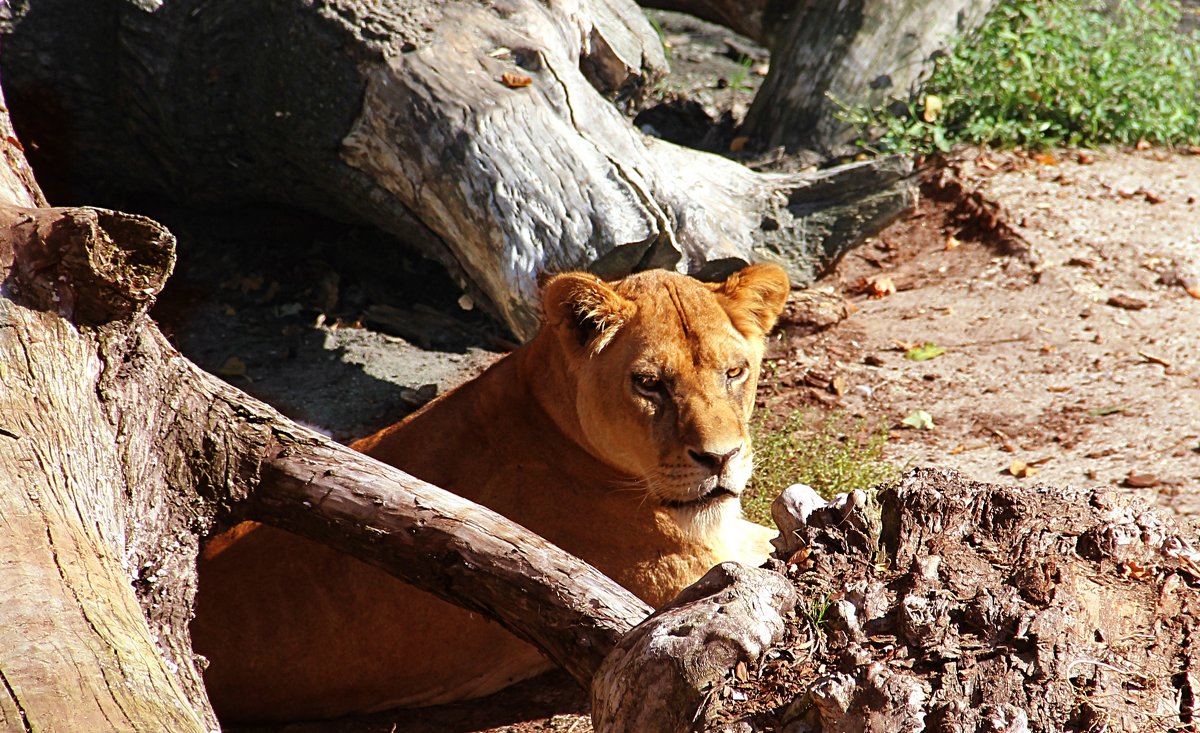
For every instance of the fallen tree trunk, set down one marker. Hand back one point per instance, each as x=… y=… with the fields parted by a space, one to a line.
x=118 y=456
x=483 y=135
x=759 y=21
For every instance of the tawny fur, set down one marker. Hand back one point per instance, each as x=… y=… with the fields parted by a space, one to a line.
x=560 y=436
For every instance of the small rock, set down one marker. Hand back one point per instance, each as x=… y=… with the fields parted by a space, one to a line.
x=1127 y=302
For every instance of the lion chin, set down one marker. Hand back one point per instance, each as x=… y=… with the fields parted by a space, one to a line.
x=619 y=433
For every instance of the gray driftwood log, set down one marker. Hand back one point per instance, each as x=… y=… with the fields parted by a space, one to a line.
x=831 y=55
x=483 y=135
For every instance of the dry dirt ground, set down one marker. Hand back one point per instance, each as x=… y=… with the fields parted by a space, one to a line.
x=1072 y=348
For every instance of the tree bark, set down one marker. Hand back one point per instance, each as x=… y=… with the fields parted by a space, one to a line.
x=959 y=606
x=484 y=136
x=662 y=673
x=853 y=53
x=118 y=455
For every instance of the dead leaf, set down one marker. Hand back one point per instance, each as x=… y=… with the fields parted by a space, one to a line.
x=741 y=672
x=1045 y=158
x=800 y=557
x=837 y=385
x=232 y=367
x=1154 y=359
x=1085 y=158
x=738 y=144
x=952 y=242
x=1193 y=291
x=1152 y=197
x=1143 y=145
x=515 y=81
x=1021 y=469
x=230 y=310
x=1141 y=480
x=1131 y=569
x=1127 y=302
x=877 y=286
x=16 y=143
x=905 y=345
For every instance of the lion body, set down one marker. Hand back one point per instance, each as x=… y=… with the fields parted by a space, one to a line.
x=619 y=433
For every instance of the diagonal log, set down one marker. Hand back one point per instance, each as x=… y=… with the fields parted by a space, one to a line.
x=118 y=455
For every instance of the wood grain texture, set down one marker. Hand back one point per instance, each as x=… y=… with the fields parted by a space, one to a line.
x=395 y=114
x=118 y=455
x=661 y=674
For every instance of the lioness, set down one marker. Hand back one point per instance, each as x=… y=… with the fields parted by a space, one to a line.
x=619 y=433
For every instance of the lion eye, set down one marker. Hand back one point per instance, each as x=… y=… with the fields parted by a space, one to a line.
x=735 y=373
x=647 y=384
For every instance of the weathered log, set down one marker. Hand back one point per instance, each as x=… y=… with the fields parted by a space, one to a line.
x=482 y=135
x=661 y=674
x=759 y=20
x=117 y=455
x=853 y=53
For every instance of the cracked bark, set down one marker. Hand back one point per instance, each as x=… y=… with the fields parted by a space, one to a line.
x=395 y=115
x=854 y=53
x=962 y=606
x=117 y=456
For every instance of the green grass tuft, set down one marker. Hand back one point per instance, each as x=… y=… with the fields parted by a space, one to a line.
x=831 y=453
x=1041 y=73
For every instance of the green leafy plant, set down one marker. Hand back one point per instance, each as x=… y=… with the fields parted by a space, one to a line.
x=815 y=609
x=1039 y=73
x=832 y=453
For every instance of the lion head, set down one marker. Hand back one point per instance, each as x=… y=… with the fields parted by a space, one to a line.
x=661 y=376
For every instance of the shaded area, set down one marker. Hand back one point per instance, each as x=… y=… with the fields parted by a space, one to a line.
x=275 y=301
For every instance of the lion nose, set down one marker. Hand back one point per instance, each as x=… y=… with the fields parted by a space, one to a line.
x=715 y=462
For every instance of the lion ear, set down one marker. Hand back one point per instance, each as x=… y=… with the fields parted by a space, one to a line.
x=584 y=309
x=754 y=297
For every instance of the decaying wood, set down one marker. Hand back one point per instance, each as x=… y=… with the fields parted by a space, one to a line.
x=854 y=53
x=118 y=455
x=961 y=606
x=662 y=673
x=484 y=135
